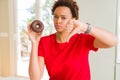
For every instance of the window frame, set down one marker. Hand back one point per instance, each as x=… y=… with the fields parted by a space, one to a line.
x=118 y=32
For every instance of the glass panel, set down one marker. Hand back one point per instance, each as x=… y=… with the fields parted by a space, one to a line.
x=27 y=11
x=25 y=14
x=46 y=17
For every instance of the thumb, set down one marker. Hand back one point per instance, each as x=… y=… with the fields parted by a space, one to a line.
x=73 y=32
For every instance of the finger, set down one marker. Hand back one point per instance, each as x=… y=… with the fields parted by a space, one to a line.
x=70 y=22
x=69 y=26
x=29 y=29
x=73 y=32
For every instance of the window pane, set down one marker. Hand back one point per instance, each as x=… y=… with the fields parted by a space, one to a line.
x=25 y=14
x=27 y=11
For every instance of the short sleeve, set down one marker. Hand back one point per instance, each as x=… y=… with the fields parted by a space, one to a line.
x=90 y=42
x=40 y=48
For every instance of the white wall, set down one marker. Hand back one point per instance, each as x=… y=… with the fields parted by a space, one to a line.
x=118 y=72
x=101 y=13
x=118 y=64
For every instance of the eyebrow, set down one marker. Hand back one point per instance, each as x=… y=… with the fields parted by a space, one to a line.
x=60 y=15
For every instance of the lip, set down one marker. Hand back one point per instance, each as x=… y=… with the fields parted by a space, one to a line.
x=58 y=26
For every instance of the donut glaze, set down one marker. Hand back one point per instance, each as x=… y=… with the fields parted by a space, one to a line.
x=37 y=26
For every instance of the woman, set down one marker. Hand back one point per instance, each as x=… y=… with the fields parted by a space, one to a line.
x=65 y=53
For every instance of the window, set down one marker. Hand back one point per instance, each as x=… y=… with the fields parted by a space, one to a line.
x=27 y=11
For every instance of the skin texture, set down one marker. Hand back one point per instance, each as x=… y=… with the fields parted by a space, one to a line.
x=63 y=23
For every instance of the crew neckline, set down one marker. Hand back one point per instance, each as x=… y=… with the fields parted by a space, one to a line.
x=63 y=42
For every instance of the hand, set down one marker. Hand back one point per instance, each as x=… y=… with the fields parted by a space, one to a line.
x=75 y=26
x=33 y=36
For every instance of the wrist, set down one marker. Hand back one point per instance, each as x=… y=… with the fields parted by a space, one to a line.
x=88 y=28
x=34 y=44
x=84 y=27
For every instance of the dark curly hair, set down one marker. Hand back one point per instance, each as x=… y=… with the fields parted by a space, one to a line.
x=72 y=5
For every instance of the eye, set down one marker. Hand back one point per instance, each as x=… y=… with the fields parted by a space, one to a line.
x=55 y=16
x=64 y=18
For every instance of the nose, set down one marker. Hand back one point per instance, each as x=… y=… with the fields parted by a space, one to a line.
x=59 y=20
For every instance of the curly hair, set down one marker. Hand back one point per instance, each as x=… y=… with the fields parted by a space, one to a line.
x=72 y=5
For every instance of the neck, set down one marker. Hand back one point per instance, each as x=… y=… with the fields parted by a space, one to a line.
x=61 y=37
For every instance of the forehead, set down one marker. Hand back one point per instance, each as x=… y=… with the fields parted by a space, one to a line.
x=62 y=10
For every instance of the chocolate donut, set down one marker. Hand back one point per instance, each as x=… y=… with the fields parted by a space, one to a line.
x=37 y=26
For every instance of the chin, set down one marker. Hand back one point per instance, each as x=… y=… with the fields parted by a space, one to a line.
x=59 y=31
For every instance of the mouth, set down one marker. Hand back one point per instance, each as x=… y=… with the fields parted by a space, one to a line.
x=57 y=26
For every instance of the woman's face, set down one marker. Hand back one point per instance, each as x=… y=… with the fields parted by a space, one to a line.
x=62 y=16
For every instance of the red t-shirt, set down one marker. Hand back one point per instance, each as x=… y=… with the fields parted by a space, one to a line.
x=69 y=60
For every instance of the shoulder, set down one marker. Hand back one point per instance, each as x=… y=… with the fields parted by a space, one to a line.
x=47 y=37
x=86 y=36
x=83 y=36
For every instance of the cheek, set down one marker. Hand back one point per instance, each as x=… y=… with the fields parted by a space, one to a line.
x=66 y=22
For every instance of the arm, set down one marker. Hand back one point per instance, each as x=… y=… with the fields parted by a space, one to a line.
x=103 y=38
x=36 y=65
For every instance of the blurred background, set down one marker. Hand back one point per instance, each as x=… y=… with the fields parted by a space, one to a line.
x=15 y=46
